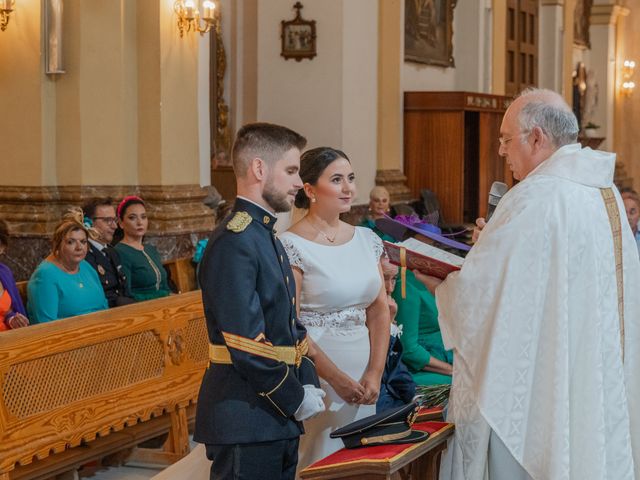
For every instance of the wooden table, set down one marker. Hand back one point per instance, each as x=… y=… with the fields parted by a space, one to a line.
x=417 y=461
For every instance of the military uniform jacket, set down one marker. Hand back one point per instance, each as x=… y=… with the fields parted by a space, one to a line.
x=107 y=264
x=248 y=291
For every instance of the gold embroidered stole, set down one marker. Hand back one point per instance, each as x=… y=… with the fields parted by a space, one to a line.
x=616 y=230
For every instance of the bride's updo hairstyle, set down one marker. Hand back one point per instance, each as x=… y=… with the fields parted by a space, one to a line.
x=312 y=164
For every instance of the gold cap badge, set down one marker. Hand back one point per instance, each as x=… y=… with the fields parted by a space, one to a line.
x=239 y=222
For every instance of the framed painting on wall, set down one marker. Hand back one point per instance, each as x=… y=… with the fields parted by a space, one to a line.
x=298 y=37
x=428 y=32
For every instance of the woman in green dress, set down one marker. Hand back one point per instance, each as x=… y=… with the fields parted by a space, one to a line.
x=423 y=350
x=146 y=276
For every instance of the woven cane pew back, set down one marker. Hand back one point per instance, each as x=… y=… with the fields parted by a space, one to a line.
x=73 y=381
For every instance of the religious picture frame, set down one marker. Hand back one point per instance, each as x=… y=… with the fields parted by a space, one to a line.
x=581 y=23
x=298 y=37
x=428 y=32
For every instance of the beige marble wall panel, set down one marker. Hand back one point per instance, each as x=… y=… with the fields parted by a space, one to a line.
x=178 y=76
x=21 y=96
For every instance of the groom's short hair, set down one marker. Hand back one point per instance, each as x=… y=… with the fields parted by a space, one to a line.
x=266 y=141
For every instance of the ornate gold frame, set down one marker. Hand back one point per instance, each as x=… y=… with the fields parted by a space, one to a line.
x=219 y=110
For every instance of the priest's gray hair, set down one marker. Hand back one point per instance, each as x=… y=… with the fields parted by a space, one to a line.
x=548 y=110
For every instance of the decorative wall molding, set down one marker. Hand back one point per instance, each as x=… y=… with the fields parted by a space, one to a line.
x=396 y=183
x=607 y=14
x=173 y=209
x=177 y=218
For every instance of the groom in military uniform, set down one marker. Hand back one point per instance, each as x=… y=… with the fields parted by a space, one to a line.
x=260 y=383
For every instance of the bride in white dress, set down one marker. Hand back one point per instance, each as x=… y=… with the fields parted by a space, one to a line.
x=342 y=298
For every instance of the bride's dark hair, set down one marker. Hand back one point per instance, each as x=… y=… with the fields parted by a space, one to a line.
x=312 y=163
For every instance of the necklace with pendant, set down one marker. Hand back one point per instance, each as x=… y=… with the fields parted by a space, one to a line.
x=327 y=237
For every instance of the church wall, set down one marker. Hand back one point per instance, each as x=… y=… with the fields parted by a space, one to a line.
x=627 y=108
x=23 y=98
x=471 y=52
x=124 y=118
x=332 y=99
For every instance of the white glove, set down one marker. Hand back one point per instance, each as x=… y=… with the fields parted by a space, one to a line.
x=312 y=403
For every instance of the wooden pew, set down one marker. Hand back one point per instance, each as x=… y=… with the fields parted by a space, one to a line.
x=78 y=389
x=22 y=290
x=416 y=460
x=183 y=273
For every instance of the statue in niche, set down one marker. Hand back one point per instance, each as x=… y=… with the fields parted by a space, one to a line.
x=585 y=94
x=581 y=23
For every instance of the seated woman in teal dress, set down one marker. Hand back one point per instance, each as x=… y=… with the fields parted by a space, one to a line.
x=64 y=284
x=423 y=350
x=141 y=263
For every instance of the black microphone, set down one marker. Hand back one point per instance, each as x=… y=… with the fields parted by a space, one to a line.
x=498 y=189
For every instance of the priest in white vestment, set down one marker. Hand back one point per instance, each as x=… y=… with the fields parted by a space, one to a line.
x=546 y=379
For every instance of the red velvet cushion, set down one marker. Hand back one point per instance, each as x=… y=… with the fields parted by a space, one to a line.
x=381 y=452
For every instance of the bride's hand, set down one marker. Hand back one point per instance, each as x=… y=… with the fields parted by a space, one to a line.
x=371 y=384
x=348 y=389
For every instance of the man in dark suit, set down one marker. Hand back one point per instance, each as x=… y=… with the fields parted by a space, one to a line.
x=101 y=216
x=260 y=383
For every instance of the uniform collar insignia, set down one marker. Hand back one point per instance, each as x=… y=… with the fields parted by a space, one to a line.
x=256 y=212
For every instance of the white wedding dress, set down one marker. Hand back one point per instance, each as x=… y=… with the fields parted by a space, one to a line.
x=339 y=282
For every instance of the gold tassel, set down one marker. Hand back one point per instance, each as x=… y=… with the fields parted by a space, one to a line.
x=403 y=272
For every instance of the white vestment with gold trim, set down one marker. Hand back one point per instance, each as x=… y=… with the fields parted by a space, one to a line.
x=533 y=320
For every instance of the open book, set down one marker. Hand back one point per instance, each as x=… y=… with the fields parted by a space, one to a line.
x=425 y=258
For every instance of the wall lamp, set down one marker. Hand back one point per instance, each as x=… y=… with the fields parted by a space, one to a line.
x=6 y=7
x=189 y=16
x=628 y=85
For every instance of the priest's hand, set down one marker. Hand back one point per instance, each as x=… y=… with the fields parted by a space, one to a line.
x=480 y=223
x=428 y=281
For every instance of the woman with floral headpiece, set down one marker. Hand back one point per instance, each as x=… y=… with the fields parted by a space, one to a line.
x=146 y=276
x=64 y=284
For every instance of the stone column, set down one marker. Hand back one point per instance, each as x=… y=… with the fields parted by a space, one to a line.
x=390 y=109
x=551 y=68
x=604 y=19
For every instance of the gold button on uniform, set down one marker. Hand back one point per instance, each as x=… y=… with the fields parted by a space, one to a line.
x=293 y=301
x=281 y=259
x=287 y=280
x=266 y=220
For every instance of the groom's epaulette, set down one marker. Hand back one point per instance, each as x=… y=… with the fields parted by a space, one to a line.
x=239 y=222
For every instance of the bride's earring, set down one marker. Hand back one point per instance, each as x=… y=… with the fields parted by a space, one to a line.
x=313 y=200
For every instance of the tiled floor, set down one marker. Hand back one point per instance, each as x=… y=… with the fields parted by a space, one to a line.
x=129 y=472
x=121 y=473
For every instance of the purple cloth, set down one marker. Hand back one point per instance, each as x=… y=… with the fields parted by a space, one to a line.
x=398 y=227
x=9 y=284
